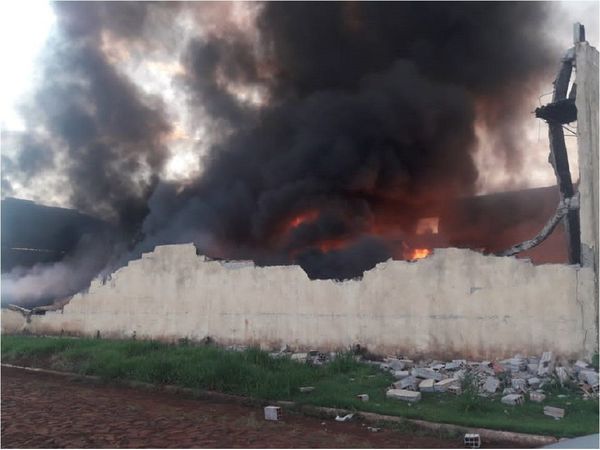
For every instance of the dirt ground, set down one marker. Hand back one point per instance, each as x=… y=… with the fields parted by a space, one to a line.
x=48 y=411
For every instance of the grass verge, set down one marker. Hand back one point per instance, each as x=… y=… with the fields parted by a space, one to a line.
x=254 y=373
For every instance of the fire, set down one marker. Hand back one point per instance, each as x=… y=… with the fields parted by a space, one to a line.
x=419 y=253
x=305 y=217
x=332 y=244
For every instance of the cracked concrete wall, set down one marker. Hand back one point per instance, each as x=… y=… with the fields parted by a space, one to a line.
x=455 y=302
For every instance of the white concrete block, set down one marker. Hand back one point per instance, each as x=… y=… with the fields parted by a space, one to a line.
x=444 y=385
x=272 y=413
x=512 y=399
x=421 y=372
x=537 y=397
x=552 y=411
x=427 y=385
x=400 y=374
x=401 y=394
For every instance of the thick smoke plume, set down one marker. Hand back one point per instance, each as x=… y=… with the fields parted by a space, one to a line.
x=332 y=126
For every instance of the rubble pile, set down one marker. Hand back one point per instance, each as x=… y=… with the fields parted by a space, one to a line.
x=515 y=378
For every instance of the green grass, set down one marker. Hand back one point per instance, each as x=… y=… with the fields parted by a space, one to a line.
x=255 y=374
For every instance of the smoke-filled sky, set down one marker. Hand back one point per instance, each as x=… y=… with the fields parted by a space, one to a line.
x=27 y=25
x=315 y=133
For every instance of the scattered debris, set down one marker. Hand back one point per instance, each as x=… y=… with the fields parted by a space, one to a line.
x=427 y=385
x=299 y=357
x=399 y=374
x=514 y=377
x=512 y=399
x=363 y=397
x=580 y=365
x=346 y=418
x=537 y=397
x=403 y=394
x=491 y=384
x=557 y=413
x=427 y=373
x=562 y=375
x=408 y=382
x=272 y=413
x=590 y=377
x=545 y=366
x=472 y=440
x=519 y=384
x=373 y=429
x=395 y=364
x=444 y=385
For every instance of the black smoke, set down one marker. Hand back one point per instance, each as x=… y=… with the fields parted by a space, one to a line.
x=367 y=102
x=363 y=105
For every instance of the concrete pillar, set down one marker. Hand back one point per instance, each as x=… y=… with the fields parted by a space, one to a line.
x=586 y=63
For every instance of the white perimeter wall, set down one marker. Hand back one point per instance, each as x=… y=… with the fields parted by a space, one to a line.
x=455 y=302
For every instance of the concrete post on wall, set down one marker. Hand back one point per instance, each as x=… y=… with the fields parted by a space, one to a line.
x=586 y=60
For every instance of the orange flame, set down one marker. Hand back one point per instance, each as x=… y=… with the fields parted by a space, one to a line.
x=419 y=253
x=308 y=216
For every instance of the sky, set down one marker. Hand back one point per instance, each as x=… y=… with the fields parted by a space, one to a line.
x=25 y=26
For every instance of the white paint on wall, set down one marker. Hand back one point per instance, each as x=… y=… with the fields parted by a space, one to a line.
x=453 y=302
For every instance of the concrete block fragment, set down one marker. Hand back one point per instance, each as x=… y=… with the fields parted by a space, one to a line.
x=589 y=376
x=395 y=364
x=459 y=374
x=491 y=384
x=507 y=391
x=404 y=395
x=534 y=382
x=518 y=384
x=580 y=365
x=442 y=386
x=497 y=368
x=427 y=373
x=453 y=365
x=532 y=368
x=537 y=397
x=546 y=363
x=486 y=370
x=552 y=411
x=517 y=364
x=301 y=357
x=407 y=362
x=562 y=374
x=533 y=360
x=438 y=366
x=363 y=397
x=404 y=383
x=427 y=385
x=272 y=413
x=512 y=399
x=455 y=389
x=399 y=374
x=472 y=440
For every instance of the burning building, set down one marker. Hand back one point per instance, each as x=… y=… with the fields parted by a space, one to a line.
x=348 y=148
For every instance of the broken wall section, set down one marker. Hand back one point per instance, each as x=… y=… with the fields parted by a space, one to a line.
x=455 y=302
